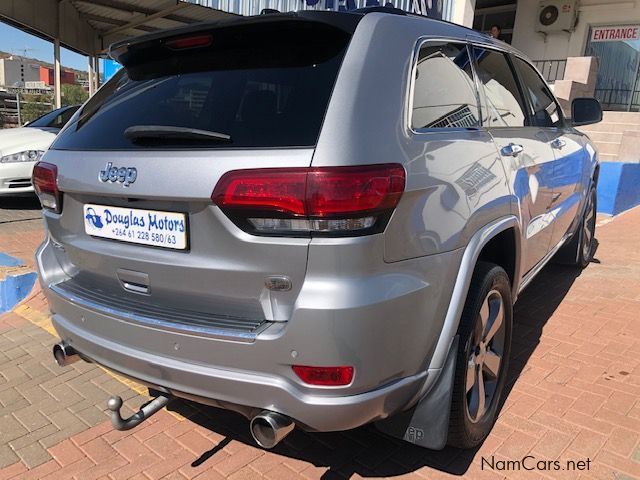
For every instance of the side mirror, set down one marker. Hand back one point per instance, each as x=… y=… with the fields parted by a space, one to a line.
x=585 y=111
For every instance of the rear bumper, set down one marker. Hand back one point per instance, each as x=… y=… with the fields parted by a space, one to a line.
x=387 y=340
x=218 y=387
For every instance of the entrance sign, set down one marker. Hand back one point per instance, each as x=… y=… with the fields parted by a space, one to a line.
x=615 y=34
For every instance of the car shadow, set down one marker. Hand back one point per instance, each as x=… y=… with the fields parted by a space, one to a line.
x=22 y=202
x=365 y=450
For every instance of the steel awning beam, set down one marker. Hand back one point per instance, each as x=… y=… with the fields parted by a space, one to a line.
x=115 y=21
x=144 y=18
x=128 y=8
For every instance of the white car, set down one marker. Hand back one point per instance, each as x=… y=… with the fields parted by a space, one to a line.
x=21 y=148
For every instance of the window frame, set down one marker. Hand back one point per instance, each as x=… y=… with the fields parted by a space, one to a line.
x=420 y=43
x=479 y=90
x=523 y=98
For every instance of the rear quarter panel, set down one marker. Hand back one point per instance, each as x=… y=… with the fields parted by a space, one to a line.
x=455 y=178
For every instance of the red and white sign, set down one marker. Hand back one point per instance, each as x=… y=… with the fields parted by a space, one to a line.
x=615 y=34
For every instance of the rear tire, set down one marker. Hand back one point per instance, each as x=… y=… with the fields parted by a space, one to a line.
x=579 y=250
x=483 y=356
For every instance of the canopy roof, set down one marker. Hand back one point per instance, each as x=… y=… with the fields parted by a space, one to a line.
x=90 y=26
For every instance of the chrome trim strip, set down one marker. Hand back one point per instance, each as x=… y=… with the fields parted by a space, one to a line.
x=210 y=332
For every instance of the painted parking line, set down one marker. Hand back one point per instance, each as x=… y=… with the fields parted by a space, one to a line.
x=9 y=261
x=14 y=288
x=43 y=320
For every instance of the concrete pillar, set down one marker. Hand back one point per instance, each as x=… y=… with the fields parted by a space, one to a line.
x=56 y=73
x=96 y=69
x=463 y=12
x=92 y=90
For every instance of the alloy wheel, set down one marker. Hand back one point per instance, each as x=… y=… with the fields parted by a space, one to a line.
x=485 y=356
x=588 y=228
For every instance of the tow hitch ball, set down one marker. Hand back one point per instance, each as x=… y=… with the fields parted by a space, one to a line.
x=115 y=404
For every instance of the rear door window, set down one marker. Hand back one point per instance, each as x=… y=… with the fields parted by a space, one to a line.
x=265 y=85
x=444 y=94
x=504 y=105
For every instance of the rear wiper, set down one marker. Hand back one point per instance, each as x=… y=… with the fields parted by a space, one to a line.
x=164 y=133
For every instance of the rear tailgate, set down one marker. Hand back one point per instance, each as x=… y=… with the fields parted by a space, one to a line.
x=222 y=270
x=267 y=88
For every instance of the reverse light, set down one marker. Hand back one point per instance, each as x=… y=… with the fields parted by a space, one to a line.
x=45 y=183
x=324 y=376
x=333 y=201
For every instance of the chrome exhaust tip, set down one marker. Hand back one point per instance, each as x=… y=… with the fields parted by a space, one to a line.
x=269 y=428
x=64 y=354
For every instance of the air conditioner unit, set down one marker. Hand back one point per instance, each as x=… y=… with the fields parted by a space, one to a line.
x=556 y=15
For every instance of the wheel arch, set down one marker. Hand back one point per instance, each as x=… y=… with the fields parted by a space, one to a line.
x=502 y=233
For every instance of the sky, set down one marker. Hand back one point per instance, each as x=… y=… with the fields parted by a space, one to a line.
x=14 y=41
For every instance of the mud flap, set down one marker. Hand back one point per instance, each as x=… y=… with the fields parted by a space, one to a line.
x=427 y=423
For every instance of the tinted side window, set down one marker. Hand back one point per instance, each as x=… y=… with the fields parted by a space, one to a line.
x=444 y=95
x=56 y=119
x=546 y=112
x=504 y=104
x=62 y=119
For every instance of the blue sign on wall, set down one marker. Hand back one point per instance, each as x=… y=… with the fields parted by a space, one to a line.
x=110 y=67
x=431 y=8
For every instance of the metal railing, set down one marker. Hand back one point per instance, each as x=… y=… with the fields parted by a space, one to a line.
x=551 y=70
x=618 y=99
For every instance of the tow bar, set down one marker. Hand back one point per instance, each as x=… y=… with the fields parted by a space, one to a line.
x=115 y=404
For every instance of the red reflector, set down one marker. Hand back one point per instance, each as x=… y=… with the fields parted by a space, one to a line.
x=190 y=42
x=318 y=192
x=327 y=376
x=45 y=183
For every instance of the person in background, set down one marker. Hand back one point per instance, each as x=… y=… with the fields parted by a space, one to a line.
x=495 y=32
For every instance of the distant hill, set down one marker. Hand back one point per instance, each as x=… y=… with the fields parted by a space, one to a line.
x=78 y=73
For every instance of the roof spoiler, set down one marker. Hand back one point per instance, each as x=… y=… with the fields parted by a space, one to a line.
x=346 y=22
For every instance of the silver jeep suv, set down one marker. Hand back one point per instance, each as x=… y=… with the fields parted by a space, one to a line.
x=315 y=219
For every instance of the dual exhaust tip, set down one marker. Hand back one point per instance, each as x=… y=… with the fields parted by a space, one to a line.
x=270 y=428
x=267 y=428
x=65 y=354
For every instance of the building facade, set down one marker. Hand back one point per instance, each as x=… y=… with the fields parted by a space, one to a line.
x=15 y=72
x=433 y=8
x=66 y=76
x=548 y=31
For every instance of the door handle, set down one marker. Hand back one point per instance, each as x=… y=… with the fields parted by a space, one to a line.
x=558 y=143
x=511 y=150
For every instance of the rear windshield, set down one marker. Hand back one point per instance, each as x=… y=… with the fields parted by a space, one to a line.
x=265 y=85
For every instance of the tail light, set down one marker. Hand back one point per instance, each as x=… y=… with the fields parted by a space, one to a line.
x=45 y=183
x=324 y=376
x=330 y=201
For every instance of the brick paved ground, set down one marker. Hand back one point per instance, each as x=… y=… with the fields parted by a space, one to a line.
x=574 y=394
